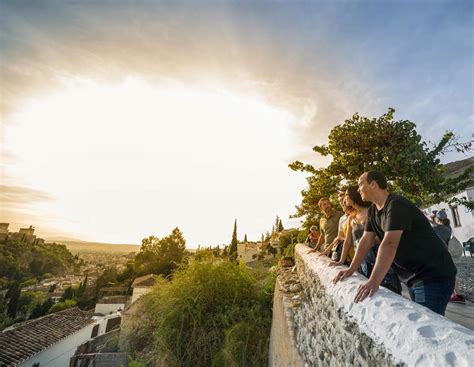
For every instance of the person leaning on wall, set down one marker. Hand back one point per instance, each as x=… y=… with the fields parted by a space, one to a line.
x=420 y=258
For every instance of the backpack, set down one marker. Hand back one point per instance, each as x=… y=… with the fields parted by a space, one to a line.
x=455 y=248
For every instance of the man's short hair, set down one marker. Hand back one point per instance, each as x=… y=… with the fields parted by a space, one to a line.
x=377 y=177
x=321 y=200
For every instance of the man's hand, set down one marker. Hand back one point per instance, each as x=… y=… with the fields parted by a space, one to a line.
x=367 y=289
x=343 y=274
x=336 y=263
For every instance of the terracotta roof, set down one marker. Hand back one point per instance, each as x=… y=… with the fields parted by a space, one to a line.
x=29 y=338
x=145 y=281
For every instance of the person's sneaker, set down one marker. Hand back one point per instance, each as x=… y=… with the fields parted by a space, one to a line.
x=457 y=298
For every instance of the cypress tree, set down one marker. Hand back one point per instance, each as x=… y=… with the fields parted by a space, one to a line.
x=280 y=226
x=233 y=244
x=245 y=238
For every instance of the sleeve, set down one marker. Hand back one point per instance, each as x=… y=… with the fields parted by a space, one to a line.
x=398 y=217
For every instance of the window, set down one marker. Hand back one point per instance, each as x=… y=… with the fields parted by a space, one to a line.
x=455 y=214
x=95 y=331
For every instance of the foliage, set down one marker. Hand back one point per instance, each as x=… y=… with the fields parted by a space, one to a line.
x=204 y=316
x=28 y=301
x=13 y=296
x=20 y=260
x=233 y=243
x=60 y=306
x=160 y=256
x=383 y=144
x=41 y=309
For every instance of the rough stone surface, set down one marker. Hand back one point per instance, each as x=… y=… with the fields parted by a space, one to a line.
x=326 y=336
x=383 y=330
x=283 y=351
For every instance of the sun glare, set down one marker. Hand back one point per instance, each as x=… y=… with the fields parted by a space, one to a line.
x=129 y=159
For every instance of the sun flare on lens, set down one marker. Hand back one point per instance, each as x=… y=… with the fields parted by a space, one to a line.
x=125 y=160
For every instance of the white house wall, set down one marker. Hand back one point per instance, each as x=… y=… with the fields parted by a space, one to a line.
x=59 y=354
x=108 y=308
x=466 y=217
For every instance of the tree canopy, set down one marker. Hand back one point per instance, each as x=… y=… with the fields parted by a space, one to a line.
x=383 y=144
x=160 y=256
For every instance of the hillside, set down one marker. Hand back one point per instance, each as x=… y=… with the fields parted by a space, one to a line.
x=78 y=247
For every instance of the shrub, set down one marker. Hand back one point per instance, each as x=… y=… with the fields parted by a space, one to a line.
x=204 y=316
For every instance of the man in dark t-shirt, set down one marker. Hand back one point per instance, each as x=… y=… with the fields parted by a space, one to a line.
x=419 y=256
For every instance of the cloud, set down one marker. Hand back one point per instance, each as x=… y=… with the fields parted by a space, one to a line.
x=19 y=195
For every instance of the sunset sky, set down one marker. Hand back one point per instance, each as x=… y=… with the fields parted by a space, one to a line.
x=123 y=119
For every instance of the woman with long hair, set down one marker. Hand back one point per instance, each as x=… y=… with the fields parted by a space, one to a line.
x=356 y=225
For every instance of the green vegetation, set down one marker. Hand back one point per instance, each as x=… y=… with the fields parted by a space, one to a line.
x=20 y=261
x=23 y=264
x=233 y=243
x=160 y=256
x=391 y=147
x=210 y=313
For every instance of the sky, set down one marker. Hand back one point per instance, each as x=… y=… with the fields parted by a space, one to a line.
x=122 y=119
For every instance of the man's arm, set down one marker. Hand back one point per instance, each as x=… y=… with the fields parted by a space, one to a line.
x=320 y=241
x=385 y=257
x=365 y=244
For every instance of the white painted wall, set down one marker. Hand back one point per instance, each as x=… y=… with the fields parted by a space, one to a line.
x=139 y=291
x=59 y=354
x=466 y=217
x=108 y=308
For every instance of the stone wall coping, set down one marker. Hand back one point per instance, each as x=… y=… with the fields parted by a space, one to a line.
x=411 y=333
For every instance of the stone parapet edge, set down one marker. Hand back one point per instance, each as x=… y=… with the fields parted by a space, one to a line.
x=411 y=333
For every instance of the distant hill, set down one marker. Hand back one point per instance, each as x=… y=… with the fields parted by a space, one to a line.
x=457 y=168
x=77 y=246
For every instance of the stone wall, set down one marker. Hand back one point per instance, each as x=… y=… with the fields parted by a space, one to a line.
x=328 y=329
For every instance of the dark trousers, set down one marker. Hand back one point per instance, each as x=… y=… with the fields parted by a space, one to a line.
x=432 y=294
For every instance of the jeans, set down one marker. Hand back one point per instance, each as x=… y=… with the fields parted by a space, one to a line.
x=432 y=294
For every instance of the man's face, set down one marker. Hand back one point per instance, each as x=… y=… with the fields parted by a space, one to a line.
x=365 y=188
x=325 y=206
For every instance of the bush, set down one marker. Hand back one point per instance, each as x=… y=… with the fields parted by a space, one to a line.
x=203 y=317
x=60 y=306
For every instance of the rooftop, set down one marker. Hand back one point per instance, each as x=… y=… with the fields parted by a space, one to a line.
x=29 y=338
x=145 y=281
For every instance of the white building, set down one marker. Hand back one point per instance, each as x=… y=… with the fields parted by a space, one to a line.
x=461 y=218
x=51 y=340
x=248 y=251
x=142 y=285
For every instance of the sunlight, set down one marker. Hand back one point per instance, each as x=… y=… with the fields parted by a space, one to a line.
x=167 y=152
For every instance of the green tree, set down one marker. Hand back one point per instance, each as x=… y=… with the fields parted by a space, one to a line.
x=67 y=294
x=160 y=256
x=13 y=296
x=245 y=238
x=391 y=147
x=280 y=226
x=42 y=309
x=233 y=243
x=60 y=306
